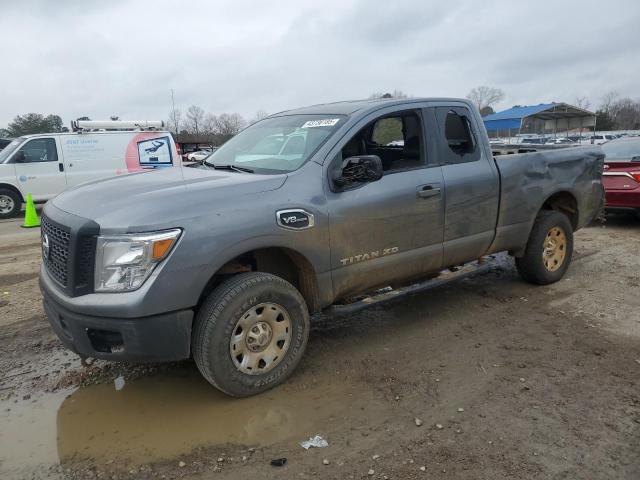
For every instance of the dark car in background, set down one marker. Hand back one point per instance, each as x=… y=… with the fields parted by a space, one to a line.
x=621 y=177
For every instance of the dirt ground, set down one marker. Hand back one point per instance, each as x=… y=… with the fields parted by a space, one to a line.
x=486 y=378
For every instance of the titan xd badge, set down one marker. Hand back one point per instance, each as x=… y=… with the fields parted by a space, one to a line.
x=294 y=219
x=363 y=257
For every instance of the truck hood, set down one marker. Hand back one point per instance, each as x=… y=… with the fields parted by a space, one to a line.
x=163 y=195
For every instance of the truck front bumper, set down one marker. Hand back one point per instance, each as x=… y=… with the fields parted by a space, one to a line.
x=165 y=337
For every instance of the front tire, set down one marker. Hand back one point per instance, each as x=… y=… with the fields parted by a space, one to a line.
x=250 y=333
x=10 y=203
x=549 y=249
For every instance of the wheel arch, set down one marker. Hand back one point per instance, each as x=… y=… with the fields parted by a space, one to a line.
x=565 y=202
x=13 y=188
x=283 y=262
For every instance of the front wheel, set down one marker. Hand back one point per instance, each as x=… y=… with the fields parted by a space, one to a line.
x=10 y=203
x=250 y=333
x=549 y=249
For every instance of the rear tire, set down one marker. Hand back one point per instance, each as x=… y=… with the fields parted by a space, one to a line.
x=10 y=203
x=250 y=333
x=549 y=249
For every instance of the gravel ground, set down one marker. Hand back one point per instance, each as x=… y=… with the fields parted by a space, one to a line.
x=486 y=378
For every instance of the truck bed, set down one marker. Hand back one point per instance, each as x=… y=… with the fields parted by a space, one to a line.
x=528 y=180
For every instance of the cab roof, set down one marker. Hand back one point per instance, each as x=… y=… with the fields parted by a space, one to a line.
x=352 y=106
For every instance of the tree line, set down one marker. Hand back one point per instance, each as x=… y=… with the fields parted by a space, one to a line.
x=31 y=123
x=196 y=121
x=618 y=113
x=614 y=112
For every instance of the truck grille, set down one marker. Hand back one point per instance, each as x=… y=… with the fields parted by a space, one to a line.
x=57 y=262
x=86 y=260
x=71 y=255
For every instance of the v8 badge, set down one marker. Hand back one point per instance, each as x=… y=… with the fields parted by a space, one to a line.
x=295 y=219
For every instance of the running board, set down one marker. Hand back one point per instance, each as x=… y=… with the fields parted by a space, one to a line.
x=384 y=295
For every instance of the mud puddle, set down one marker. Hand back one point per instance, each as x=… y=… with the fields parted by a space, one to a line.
x=156 y=418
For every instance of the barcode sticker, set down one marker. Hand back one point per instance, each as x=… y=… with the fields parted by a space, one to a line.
x=325 y=122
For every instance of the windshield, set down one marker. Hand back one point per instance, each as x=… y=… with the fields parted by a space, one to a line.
x=622 y=150
x=277 y=144
x=9 y=149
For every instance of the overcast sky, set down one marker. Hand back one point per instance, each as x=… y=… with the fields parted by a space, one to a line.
x=120 y=57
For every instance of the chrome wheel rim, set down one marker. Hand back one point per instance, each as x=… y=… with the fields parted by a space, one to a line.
x=6 y=204
x=555 y=249
x=260 y=338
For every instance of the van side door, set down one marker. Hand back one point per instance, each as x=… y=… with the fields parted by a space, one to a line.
x=389 y=230
x=471 y=184
x=39 y=168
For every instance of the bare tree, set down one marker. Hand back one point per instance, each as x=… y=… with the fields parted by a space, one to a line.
x=209 y=123
x=484 y=96
x=260 y=114
x=608 y=99
x=625 y=113
x=583 y=103
x=228 y=124
x=175 y=120
x=195 y=117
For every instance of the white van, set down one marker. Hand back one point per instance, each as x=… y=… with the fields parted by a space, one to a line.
x=44 y=165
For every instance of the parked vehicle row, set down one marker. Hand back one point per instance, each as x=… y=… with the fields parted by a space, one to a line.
x=597 y=139
x=200 y=155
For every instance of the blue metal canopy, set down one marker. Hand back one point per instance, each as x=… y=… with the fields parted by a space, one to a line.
x=512 y=117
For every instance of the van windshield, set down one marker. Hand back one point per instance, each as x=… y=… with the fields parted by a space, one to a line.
x=6 y=152
x=277 y=144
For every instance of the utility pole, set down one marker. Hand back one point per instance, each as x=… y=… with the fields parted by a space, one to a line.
x=175 y=120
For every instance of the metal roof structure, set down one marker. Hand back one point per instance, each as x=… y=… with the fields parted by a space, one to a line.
x=555 y=116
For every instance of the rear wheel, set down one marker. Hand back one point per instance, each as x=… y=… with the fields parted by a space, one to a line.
x=549 y=249
x=10 y=203
x=250 y=333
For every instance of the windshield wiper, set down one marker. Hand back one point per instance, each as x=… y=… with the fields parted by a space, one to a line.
x=234 y=168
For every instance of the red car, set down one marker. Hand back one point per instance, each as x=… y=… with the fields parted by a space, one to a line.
x=621 y=176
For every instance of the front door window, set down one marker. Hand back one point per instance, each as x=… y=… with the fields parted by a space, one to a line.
x=37 y=150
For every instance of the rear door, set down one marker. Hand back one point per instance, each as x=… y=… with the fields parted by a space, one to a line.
x=39 y=169
x=471 y=184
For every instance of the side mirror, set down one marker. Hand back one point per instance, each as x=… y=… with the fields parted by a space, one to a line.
x=360 y=169
x=19 y=157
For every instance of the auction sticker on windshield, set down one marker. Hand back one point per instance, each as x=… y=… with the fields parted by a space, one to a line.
x=325 y=122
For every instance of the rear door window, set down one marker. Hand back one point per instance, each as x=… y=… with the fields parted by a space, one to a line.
x=458 y=139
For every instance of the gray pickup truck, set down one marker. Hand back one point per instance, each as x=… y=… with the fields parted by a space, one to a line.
x=304 y=210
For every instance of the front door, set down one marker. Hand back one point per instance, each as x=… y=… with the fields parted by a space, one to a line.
x=39 y=170
x=389 y=230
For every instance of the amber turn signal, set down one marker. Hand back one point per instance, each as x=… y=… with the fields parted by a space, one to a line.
x=162 y=247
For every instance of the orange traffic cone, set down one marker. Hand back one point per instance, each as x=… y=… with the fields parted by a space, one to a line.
x=30 y=215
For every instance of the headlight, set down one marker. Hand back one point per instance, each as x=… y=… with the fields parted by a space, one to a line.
x=124 y=262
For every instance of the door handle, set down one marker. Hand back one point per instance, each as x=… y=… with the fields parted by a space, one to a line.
x=61 y=167
x=429 y=192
